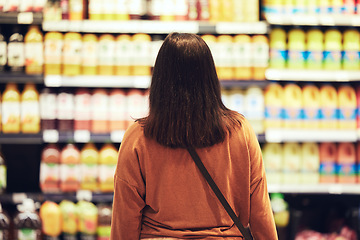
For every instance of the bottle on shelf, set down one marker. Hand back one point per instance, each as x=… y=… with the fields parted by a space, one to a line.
x=296 y=48
x=76 y=10
x=72 y=54
x=136 y=105
x=50 y=214
x=109 y=9
x=70 y=168
x=4 y=224
x=292 y=163
x=137 y=9
x=65 y=110
x=123 y=55
x=274 y=94
x=53 y=42
x=260 y=56
x=236 y=100
x=293 y=105
x=64 y=4
x=3 y=52
x=329 y=105
x=181 y=10
x=225 y=57
x=3 y=175
x=27 y=223
x=82 y=115
x=16 y=51
x=351 y=60
x=332 y=49
x=315 y=48
x=346 y=163
x=108 y=155
x=69 y=220
x=11 y=109
x=30 y=113
x=254 y=108
x=242 y=57
x=89 y=158
x=328 y=155
x=278 y=48
x=310 y=163
x=211 y=42
x=104 y=222
x=96 y=10
x=48 y=109
x=118 y=110
x=50 y=169
x=273 y=160
x=311 y=102
x=281 y=210
x=106 y=54
x=89 y=62
x=34 y=54
x=141 y=55
x=122 y=11
x=347 y=107
x=88 y=219
x=100 y=111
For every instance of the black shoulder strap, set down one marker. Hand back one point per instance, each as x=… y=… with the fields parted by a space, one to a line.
x=220 y=196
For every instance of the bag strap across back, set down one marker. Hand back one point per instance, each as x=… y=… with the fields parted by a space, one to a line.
x=245 y=232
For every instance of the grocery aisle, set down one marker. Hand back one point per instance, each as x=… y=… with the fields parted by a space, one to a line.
x=75 y=73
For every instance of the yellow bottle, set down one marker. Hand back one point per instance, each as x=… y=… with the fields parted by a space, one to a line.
x=310 y=164
x=108 y=159
x=329 y=105
x=225 y=59
x=278 y=47
x=30 y=113
x=273 y=160
x=332 y=50
x=227 y=13
x=96 y=10
x=123 y=55
x=296 y=47
x=89 y=61
x=242 y=57
x=274 y=95
x=11 y=109
x=260 y=46
x=142 y=52
x=347 y=107
x=214 y=7
x=351 y=45
x=292 y=163
x=315 y=48
x=106 y=54
x=34 y=58
x=89 y=158
x=53 y=53
x=293 y=104
x=72 y=54
x=311 y=103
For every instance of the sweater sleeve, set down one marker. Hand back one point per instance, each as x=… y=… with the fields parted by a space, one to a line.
x=129 y=194
x=262 y=223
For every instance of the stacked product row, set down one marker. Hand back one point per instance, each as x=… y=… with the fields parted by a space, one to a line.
x=311 y=7
x=67 y=220
x=71 y=169
x=22 y=5
x=310 y=107
x=97 y=110
x=312 y=163
x=315 y=49
x=165 y=10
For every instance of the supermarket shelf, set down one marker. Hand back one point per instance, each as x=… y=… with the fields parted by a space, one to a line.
x=155 y=27
x=20 y=78
x=20 y=138
x=98 y=81
x=314 y=19
x=243 y=83
x=21 y=18
x=307 y=135
x=54 y=136
x=312 y=75
x=315 y=188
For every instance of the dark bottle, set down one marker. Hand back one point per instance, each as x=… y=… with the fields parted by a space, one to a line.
x=48 y=109
x=16 y=51
x=27 y=222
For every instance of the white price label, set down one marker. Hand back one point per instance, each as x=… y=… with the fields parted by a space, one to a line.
x=117 y=136
x=82 y=136
x=85 y=195
x=51 y=136
x=25 y=18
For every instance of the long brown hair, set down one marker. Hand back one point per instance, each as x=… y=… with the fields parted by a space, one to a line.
x=185 y=96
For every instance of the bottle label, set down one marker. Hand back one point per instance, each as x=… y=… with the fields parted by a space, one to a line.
x=254 y=107
x=137 y=7
x=99 y=105
x=16 y=54
x=89 y=173
x=226 y=52
x=136 y=106
x=273 y=112
x=89 y=57
x=296 y=58
x=332 y=57
x=30 y=114
x=65 y=105
x=3 y=56
x=27 y=234
x=106 y=53
x=314 y=57
x=72 y=52
x=2 y=178
x=10 y=113
x=106 y=173
x=118 y=107
x=34 y=54
x=82 y=107
x=351 y=59
x=328 y=113
x=123 y=53
x=47 y=106
x=311 y=113
x=346 y=169
x=141 y=54
x=242 y=54
x=53 y=51
x=278 y=58
x=347 y=113
x=49 y=172
x=327 y=168
x=69 y=172
x=260 y=54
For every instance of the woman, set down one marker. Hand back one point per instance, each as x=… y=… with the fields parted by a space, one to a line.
x=159 y=192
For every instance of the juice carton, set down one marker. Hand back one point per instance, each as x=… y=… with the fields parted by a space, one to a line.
x=65 y=110
x=236 y=100
x=311 y=106
x=104 y=222
x=278 y=48
x=347 y=107
x=88 y=219
x=274 y=94
x=292 y=163
x=141 y=60
x=89 y=58
x=11 y=109
x=315 y=48
x=27 y=223
x=332 y=49
x=72 y=54
x=351 y=60
x=225 y=59
x=108 y=159
x=34 y=48
x=30 y=113
x=50 y=213
x=82 y=113
x=328 y=155
x=242 y=57
x=273 y=160
x=100 y=111
x=329 y=107
x=89 y=158
x=107 y=54
x=4 y=224
x=260 y=56
x=293 y=105
x=296 y=48
x=346 y=163
x=123 y=48
x=310 y=163
x=48 y=108
x=69 y=168
x=254 y=108
x=118 y=110
x=69 y=219
x=53 y=42
x=50 y=169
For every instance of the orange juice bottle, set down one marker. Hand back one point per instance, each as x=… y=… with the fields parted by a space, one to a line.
x=142 y=54
x=347 y=107
x=123 y=55
x=346 y=163
x=274 y=94
x=278 y=48
x=11 y=109
x=311 y=102
x=51 y=216
x=214 y=7
x=100 y=111
x=72 y=54
x=89 y=158
x=328 y=155
x=53 y=53
x=118 y=108
x=70 y=169
x=30 y=112
x=225 y=52
x=34 y=51
x=260 y=56
x=329 y=105
x=293 y=105
x=50 y=169
x=76 y=10
x=89 y=61
x=82 y=113
x=106 y=54
x=242 y=57
x=108 y=160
